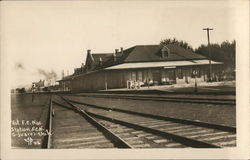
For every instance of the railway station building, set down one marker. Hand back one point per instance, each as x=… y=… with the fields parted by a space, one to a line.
x=142 y=65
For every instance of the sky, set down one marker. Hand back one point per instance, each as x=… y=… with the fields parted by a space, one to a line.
x=55 y=35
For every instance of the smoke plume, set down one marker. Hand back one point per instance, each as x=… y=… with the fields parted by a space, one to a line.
x=19 y=66
x=48 y=75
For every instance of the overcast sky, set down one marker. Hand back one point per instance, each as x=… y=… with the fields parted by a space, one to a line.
x=55 y=35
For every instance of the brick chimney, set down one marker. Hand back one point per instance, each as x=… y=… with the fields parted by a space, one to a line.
x=82 y=67
x=116 y=51
x=121 y=50
x=89 y=54
x=89 y=51
x=114 y=55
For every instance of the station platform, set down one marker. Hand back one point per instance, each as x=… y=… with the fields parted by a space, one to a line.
x=225 y=89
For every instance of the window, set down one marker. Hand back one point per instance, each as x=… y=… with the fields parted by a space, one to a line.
x=180 y=73
x=140 y=76
x=133 y=76
x=165 y=52
x=198 y=73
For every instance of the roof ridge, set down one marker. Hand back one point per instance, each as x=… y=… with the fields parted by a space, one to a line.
x=148 y=45
x=101 y=53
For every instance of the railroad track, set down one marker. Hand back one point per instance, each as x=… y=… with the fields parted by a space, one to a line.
x=71 y=128
x=216 y=101
x=150 y=131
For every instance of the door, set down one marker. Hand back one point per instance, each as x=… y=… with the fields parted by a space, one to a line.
x=156 y=76
x=172 y=75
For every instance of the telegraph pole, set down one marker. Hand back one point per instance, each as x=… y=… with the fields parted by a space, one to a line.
x=209 y=51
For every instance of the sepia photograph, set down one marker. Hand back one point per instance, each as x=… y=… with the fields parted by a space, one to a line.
x=124 y=75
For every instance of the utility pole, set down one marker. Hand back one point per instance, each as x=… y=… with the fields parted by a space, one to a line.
x=209 y=51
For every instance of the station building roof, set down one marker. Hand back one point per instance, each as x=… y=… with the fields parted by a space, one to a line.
x=169 y=64
x=143 y=56
x=66 y=78
x=145 y=53
x=103 y=56
x=148 y=53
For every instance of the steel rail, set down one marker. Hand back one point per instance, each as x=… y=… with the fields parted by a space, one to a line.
x=183 y=140
x=166 y=99
x=143 y=96
x=66 y=107
x=176 y=120
x=47 y=139
x=115 y=139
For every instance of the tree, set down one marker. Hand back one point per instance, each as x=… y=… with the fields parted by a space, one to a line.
x=20 y=90
x=228 y=52
x=224 y=52
x=177 y=42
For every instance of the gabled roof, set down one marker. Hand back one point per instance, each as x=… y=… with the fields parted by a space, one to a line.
x=66 y=78
x=143 y=56
x=104 y=56
x=145 y=53
x=149 y=53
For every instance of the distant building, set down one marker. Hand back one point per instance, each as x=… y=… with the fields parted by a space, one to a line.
x=65 y=83
x=141 y=65
x=49 y=82
x=38 y=86
x=12 y=91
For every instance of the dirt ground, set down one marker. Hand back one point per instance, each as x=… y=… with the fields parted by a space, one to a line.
x=23 y=109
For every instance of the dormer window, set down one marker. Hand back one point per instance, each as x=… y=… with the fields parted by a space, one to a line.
x=165 y=52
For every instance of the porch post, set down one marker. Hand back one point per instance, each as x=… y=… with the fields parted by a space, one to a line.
x=105 y=79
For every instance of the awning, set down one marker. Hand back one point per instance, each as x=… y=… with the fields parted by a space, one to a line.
x=169 y=64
